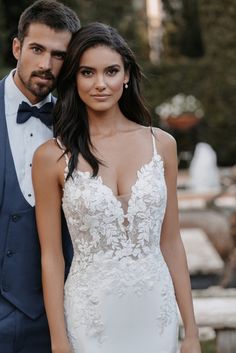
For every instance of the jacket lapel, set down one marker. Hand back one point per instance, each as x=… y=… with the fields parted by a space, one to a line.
x=3 y=135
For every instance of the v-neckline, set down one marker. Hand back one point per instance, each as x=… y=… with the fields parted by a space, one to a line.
x=131 y=193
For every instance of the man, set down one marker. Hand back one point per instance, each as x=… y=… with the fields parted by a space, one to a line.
x=44 y=32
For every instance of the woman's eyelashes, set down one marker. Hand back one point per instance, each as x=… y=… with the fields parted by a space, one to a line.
x=86 y=72
x=110 y=71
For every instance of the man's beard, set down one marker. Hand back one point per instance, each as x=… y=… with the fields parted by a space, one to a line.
x=39 y=89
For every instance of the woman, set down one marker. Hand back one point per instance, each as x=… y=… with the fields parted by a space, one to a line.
x=117 y=185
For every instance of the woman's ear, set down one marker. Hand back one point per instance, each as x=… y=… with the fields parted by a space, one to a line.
x=126 y=77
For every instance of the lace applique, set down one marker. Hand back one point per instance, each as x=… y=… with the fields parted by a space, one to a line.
x=168 y=309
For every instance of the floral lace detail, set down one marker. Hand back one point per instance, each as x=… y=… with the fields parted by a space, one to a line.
x=168 y=310
x=95 y=214
x=113 y=257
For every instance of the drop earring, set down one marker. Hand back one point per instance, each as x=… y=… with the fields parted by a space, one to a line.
x=126 y=85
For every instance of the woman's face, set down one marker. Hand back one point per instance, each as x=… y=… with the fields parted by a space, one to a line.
x=100 y=78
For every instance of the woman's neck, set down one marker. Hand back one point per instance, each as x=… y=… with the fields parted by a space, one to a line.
x=106 y=123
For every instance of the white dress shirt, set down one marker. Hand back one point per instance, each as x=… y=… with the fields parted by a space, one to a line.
x=24 y=138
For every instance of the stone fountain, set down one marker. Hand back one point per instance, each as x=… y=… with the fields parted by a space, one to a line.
x=204 y=173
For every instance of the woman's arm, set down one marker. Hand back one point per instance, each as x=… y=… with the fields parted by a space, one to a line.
x=172 y=246
x=46 y=173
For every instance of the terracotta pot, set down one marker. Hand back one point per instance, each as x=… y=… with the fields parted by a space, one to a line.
x=183 y=122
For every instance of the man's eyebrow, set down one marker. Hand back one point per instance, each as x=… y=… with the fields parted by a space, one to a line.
x=34 y=44
x=62 y=52
x=40 y=46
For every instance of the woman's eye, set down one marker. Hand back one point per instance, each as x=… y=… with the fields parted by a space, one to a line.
x=86 y=73
x=112 y=72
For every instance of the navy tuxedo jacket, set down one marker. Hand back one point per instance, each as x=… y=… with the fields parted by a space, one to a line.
x=20 y=265
x=3 y=135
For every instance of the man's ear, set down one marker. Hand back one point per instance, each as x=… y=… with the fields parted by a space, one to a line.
x=16 y=48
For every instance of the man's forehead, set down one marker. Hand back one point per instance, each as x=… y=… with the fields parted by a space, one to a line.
x=45 y=36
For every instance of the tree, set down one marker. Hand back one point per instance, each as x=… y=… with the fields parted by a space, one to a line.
x=130 y=21
x=11 y=11
x=211 y=77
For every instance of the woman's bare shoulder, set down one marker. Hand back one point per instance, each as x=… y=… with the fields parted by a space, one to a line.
x=166 y=143
x=163 y=137
x=48 y=152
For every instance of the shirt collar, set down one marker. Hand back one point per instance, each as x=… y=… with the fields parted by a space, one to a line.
x=15 y=97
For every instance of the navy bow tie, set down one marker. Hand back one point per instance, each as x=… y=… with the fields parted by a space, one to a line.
x=26 y=111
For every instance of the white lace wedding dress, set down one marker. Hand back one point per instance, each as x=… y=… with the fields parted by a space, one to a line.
x=119 y=296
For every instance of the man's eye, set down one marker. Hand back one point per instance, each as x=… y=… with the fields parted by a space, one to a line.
x=59 y=56
x=36 y=50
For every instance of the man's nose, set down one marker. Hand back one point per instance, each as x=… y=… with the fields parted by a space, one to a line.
x=45 y=61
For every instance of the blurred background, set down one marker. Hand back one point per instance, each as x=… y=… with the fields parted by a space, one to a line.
x=187 y=51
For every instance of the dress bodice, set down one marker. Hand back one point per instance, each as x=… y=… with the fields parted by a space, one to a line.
x=98 y=223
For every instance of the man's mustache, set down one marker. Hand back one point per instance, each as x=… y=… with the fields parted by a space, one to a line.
x=44 y=74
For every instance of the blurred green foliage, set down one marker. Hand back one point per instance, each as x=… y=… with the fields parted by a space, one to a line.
x=198 y=57
x=208 y=347
x=210 y=75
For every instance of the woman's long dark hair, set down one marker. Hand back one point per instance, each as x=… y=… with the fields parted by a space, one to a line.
x=70 y=114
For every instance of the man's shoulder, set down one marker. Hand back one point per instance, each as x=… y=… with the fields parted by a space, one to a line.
x=2 y=81
x=2 y=90
x=2 y=85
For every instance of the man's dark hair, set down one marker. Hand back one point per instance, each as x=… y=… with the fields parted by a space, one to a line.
x=51 y=13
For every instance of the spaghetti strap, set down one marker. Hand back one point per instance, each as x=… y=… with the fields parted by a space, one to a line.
x=154 y=143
